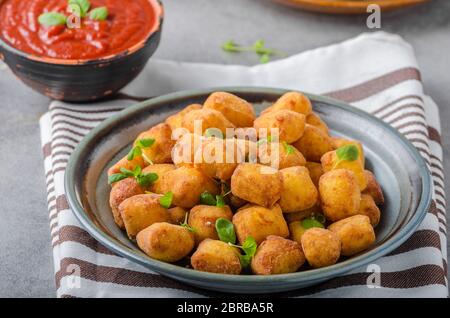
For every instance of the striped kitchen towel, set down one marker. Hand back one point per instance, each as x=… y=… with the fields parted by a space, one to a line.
x=376 y=72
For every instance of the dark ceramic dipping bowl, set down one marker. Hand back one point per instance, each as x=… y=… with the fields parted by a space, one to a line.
x=83 y=80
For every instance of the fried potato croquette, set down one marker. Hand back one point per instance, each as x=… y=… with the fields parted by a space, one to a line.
x=330 y=161
x=216 y=257
x=250 y=150
x=187 y=184
x=175 y=121
x=218 y=158
x=314 y=143
x=259 y=222
x=246 y=150
x=235 y=201
x=339 y=142
x=287 y=156
x=277 y=255
x=314 y=120
x=293 y=101
x=315 y=171
x=370 y=209
x=256 y=183
x=248 y=205
x=141 y=211
x=177 y=215
x=206 y=118
x=339 y=194
x=373 y=188
x=160 y=151
x=160 y=170
x=235 y=109
x=121 y=191
x=202 y=218
x=290 y=124
x=298 y=191
x=296 y=231
x=355 y=233
x=298 y=216
x=165 y=242
x=230 y=199
x=322 y=247
x=183 y=152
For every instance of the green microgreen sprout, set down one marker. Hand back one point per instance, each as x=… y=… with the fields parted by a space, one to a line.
x=315 y=220
x=288 y=148
x=143 y=179
x=264 y=53
x=249 y=249
x=213 y=132
x=186 y=225
x=207 y=198
x=99 y=14
x=49 y=19
x=227 y=234
x=139 y=145
x=346 y=153
x=264 y=140
x=79 y=8
x=225 y=230
x=166 y=200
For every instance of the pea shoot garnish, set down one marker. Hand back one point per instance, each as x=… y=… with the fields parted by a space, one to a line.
x=143 y=179
x=225 y=230
x=116 y=177
x=316 y=220
x=166 y=200
x=52 y=19
x=213 y=132
x=207 y=198
x=220 y=201
x=139 y=145
x=231 y=46
x=258 y=47
x=186 y=225
x=79 y=8
x=249 y=249
x=288 y=148
x=264 y=140
x=99 y=14
x=346 y=153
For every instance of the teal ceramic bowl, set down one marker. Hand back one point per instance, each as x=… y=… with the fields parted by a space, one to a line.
x=397 y=165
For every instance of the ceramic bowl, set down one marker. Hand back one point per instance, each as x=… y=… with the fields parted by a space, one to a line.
x=83 y=80
x=397 y=165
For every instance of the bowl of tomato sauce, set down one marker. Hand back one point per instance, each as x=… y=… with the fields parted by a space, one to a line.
x=79 y=50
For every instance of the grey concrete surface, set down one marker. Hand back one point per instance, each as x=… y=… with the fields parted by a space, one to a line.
x=193 y=31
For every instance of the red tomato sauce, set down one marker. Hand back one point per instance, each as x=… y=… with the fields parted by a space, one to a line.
x=129 y=22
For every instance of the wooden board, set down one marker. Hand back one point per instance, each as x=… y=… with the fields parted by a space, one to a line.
x=348 y=6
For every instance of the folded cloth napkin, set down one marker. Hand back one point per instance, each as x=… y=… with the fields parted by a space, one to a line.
x=376 y=72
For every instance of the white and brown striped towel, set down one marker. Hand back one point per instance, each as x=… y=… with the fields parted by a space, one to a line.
x=375 y=72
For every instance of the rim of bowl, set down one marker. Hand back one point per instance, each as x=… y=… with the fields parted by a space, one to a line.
x=190 y=274
x=158 y=9
x=356 y=4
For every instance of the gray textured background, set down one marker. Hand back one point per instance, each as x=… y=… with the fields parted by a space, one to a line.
x=193 y=31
